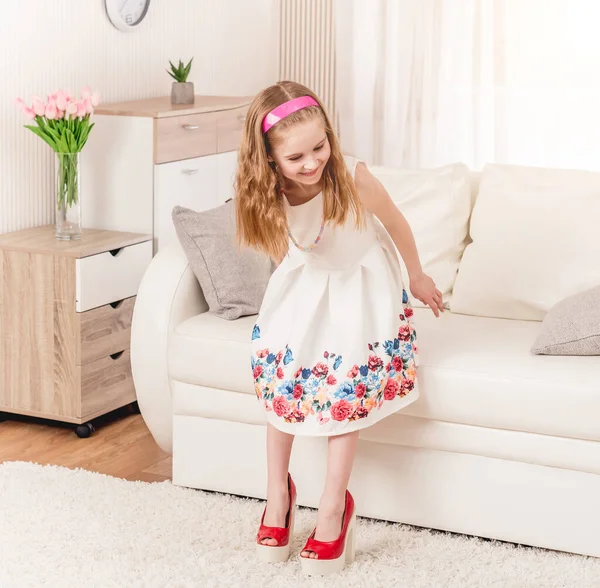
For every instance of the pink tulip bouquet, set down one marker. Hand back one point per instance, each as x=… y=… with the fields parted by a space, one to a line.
x=63 y=122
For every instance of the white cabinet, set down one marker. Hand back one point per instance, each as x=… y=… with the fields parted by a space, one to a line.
x=191 y=183
x=145 y=157
x=226 y=170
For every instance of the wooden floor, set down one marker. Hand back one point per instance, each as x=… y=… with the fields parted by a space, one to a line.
x=122 y=446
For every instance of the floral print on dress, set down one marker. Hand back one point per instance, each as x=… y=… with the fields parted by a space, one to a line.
x=330 y=390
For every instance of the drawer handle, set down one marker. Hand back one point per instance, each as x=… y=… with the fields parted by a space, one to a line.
x=189 y=172
x=115 y=252
x=117 y=354
x=117 y=303
x=191 y=127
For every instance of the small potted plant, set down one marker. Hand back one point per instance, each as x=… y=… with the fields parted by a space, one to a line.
x=182 y=91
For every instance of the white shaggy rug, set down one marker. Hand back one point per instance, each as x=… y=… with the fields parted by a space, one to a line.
x=61 y=527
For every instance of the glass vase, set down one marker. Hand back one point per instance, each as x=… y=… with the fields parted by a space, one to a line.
x=68 y=196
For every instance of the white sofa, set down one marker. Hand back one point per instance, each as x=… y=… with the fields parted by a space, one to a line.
x=501 y=443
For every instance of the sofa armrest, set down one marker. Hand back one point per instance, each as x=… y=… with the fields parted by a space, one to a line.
x=169 y=294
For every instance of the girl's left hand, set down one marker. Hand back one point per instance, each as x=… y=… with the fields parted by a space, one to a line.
x=423 y=288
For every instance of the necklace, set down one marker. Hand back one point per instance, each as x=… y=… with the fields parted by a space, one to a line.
x=313 y=244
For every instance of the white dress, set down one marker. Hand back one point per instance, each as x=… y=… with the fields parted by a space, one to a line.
x=333 y=348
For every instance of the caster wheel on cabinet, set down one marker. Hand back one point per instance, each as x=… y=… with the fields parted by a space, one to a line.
x=85 y=430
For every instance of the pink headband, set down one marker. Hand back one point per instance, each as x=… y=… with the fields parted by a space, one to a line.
x=286 y=109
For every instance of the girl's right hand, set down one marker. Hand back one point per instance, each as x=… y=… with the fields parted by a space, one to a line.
x=423 y=288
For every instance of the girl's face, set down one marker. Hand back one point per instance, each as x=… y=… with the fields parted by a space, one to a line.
x=302 y=152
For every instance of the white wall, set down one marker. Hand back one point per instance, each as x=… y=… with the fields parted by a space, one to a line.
x=51 y=44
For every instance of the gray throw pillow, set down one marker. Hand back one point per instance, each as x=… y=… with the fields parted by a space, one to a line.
x=233 y=280
x=572 y=327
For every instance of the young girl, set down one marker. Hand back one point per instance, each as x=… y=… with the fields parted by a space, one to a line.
x=333 y=346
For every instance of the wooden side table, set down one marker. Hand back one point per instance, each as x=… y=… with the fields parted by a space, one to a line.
x=65 y=320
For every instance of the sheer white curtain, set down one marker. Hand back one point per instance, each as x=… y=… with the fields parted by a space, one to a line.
x=387 y=64
x=427 y=82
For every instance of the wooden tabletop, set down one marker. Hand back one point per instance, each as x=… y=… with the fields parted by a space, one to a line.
x=93 y=241
x=162 y=108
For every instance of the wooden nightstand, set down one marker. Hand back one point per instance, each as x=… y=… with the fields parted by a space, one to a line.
x=65 y=319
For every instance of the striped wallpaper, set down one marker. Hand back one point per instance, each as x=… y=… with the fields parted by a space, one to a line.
x=46 y=45
x=306 y=49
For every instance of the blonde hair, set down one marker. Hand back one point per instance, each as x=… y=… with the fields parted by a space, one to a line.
x=260 y=212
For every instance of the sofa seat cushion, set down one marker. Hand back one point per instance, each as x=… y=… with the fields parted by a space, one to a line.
x=214 y=352
x=473 y=370
x=481 y=371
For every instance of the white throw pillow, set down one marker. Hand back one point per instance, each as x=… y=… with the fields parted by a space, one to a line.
x=437 y=205
x=536 y=240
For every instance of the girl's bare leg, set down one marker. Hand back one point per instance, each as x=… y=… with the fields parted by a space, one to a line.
x=340 y=459
x=279 y=448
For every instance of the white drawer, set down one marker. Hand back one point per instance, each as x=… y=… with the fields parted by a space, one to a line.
x=110 y=276
x=191 y=183
x=227 y=164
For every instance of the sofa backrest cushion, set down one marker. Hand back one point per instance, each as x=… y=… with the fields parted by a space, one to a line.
x=535 y=241
x=437 y=204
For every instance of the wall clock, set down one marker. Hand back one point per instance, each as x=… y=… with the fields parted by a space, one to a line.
x=126 y=14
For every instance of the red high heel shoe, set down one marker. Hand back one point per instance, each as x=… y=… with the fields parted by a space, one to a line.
x=281 y=551
x=332 y=555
